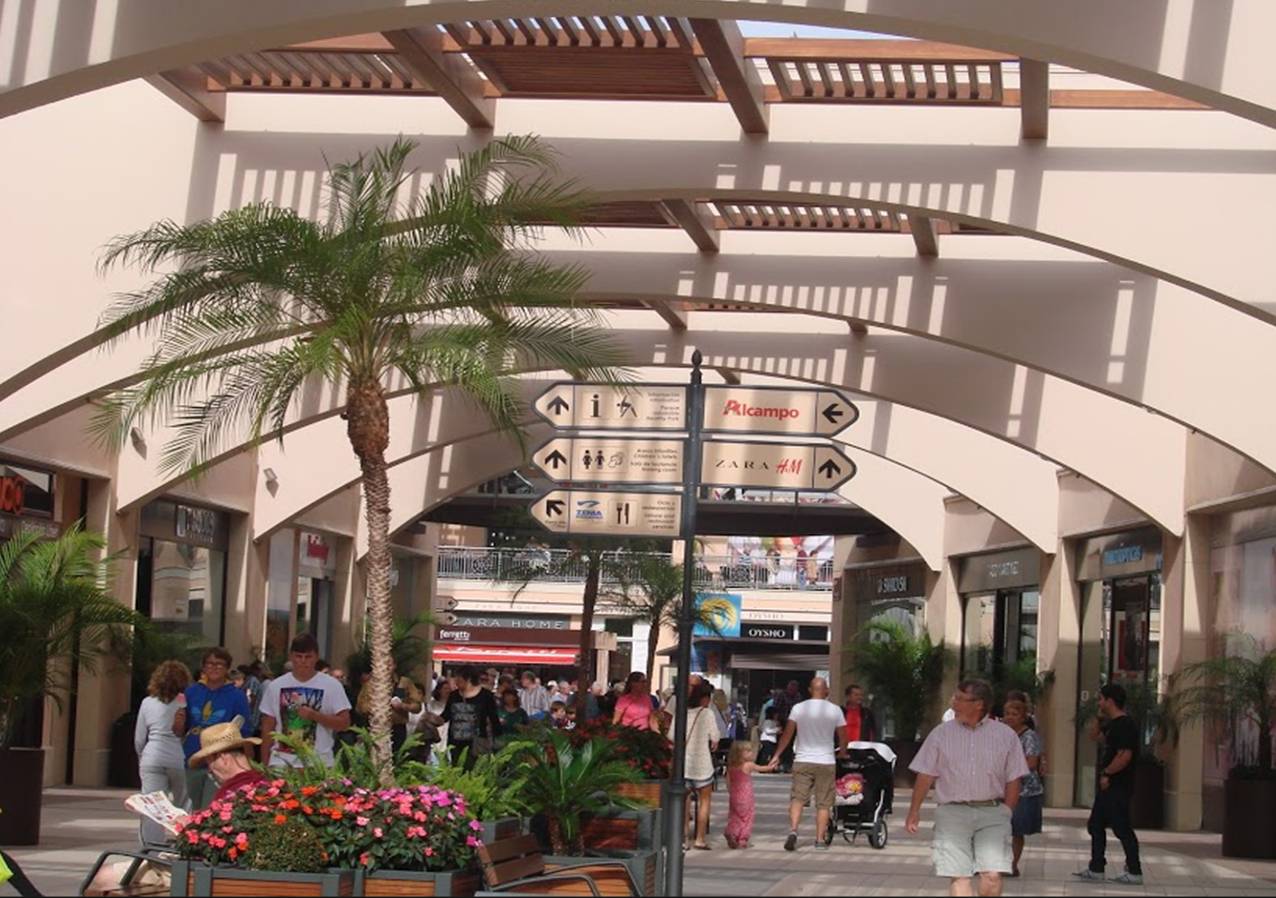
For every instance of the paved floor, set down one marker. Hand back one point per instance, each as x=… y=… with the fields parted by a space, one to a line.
x=1174 y=863
x=79 y=823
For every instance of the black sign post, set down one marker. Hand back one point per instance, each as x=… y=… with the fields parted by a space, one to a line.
x=675 y=814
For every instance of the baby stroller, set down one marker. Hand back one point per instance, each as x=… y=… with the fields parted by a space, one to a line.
x=865 y=790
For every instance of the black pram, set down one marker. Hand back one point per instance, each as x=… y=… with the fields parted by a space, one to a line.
x=865 y=790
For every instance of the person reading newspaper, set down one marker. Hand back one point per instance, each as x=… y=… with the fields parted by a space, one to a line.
x=223 y=750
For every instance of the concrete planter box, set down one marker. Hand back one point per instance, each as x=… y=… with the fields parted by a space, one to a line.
x=415 y=882
x=201 y=879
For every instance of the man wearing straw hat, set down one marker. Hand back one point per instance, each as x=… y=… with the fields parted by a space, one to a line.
x=222 y=748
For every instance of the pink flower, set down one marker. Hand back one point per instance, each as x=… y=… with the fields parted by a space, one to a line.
x=420 y=817
x=472 y=842
x=476 y=826
x=192 y=837
x=241 y=841
x=429 y=852
x=377 y=833
x=443 y=800
x=361 y=821
x=364 y=859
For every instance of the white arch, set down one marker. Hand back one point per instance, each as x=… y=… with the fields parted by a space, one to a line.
x=1215 y=55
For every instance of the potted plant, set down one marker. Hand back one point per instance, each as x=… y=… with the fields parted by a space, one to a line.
x=387 y=841
x=649 y=753
x=1152 y=710
x=493 y=788
x=1237 y=691
x=55 y=612
x=904 y=672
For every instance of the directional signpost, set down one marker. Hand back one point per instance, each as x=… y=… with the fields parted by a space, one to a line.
x=604 y=407
x=601 y=460
x=627 y=514
x=688 y=462
x=791 y=466
x=765 y=410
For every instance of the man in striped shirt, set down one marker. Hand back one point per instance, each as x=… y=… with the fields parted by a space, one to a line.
x=975 y=764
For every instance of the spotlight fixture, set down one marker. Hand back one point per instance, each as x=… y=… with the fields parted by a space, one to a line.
x=139 y=441
x=272 y=479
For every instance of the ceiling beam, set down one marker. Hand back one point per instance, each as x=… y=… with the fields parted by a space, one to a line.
x=696 y=221
x=188 y=88
x=723 y=46
x=455 y=80
x=730 y=375
x=675 y=318
x=858 y=329
x=923 y=230
x=1034 y=99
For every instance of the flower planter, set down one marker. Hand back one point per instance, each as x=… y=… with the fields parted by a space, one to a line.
x=201 y=879
x=1249 y=825
x=21 y=790
x=644 y=867
x=647 y=791
x=415 y=882
x=623 y=830
x=504 y=828
x=1147 y=805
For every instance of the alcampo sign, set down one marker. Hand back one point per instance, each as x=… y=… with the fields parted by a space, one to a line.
x=767 y=410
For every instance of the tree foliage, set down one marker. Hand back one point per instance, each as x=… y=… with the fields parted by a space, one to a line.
x=1237 y=691
x=902 y=670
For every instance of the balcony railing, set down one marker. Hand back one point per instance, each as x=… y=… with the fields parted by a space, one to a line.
x=720 y=572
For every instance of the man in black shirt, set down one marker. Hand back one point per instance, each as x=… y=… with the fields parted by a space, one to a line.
x=1120 y=741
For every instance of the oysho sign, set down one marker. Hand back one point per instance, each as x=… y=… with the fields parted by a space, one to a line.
x=766 y=631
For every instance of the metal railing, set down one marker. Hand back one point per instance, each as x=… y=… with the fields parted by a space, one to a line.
x=516 y=566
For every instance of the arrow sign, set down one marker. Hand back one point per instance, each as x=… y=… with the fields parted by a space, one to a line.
x=777 y=410
x=606 y=407
x=794 y=466
x=611 y=460
x=625 y=514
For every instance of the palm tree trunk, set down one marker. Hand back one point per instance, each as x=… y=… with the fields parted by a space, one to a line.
x=593 y=574
x=368 y=427
x=653 y=641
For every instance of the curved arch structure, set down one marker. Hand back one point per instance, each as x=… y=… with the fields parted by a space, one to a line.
x=1213 y=55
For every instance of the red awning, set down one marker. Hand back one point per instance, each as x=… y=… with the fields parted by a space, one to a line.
x=505 y=654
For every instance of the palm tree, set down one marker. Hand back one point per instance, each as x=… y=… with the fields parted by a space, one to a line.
x=55 y=611
x=649 y=586
x=440 y=287
x=1236 y=690
x=904 y=669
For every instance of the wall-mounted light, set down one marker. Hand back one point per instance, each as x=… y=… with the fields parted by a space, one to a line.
x=272 y=479
x=139 y=441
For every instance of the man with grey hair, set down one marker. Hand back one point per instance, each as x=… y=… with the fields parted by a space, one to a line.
x=975 y=764
x=817 y=729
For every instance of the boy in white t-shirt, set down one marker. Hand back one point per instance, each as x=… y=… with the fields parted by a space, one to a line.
x=303 y=704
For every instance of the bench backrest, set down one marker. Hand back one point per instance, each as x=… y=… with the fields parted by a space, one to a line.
x=509 y=860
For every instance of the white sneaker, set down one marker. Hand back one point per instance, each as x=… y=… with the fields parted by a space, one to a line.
x=1128 y=879
x=1089 y=875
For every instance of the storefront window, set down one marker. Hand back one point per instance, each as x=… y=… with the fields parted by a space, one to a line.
x=187 y=589
x=978 y=630
x=1000 y=633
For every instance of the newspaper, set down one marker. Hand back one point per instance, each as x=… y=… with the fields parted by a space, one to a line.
x=156 y=806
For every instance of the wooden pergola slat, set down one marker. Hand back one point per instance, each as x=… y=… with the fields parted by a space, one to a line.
x=420 y=49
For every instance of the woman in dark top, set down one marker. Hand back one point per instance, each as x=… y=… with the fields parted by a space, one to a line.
x=512 y=715
x=472 y=717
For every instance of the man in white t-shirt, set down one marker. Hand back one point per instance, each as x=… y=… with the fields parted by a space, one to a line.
x=817 y=729
x=303 y=704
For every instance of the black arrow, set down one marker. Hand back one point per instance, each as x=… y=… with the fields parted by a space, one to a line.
x=830 y=468
x=553 y=508
x=833 y=413
x=555 y=459
x=558 y=405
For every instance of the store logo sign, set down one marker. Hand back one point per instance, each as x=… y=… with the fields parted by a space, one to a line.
x=317 y=547
x=890 y=586
x=196 y=524
x=1122 y=555
x=735 y=408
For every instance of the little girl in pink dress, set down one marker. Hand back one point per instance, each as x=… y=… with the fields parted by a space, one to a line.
x=740 y=770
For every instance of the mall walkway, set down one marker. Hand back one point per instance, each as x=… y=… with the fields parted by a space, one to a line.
x=79 y=823
x=1174 y=863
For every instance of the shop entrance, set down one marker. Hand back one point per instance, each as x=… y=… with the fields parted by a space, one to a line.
x=999 y=635
x=1121 y=627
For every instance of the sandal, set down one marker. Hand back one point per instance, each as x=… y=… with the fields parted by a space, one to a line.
x=701 y=847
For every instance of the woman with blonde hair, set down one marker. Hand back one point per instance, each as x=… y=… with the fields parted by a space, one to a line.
x=160 y=759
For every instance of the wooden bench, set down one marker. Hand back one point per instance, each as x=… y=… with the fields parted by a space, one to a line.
x=517 y=865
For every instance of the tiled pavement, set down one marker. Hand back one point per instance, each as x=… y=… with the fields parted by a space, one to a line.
x=1174 y=863
x=78 y=823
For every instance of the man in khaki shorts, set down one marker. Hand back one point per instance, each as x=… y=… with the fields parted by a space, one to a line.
x=975 y=764
x=819 y=727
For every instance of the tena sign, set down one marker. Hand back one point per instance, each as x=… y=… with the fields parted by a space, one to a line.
x=777 y=410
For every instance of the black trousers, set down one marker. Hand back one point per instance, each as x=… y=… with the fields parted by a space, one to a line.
x=1111 y=810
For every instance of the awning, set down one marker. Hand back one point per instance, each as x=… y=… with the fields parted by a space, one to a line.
x=505 y=655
